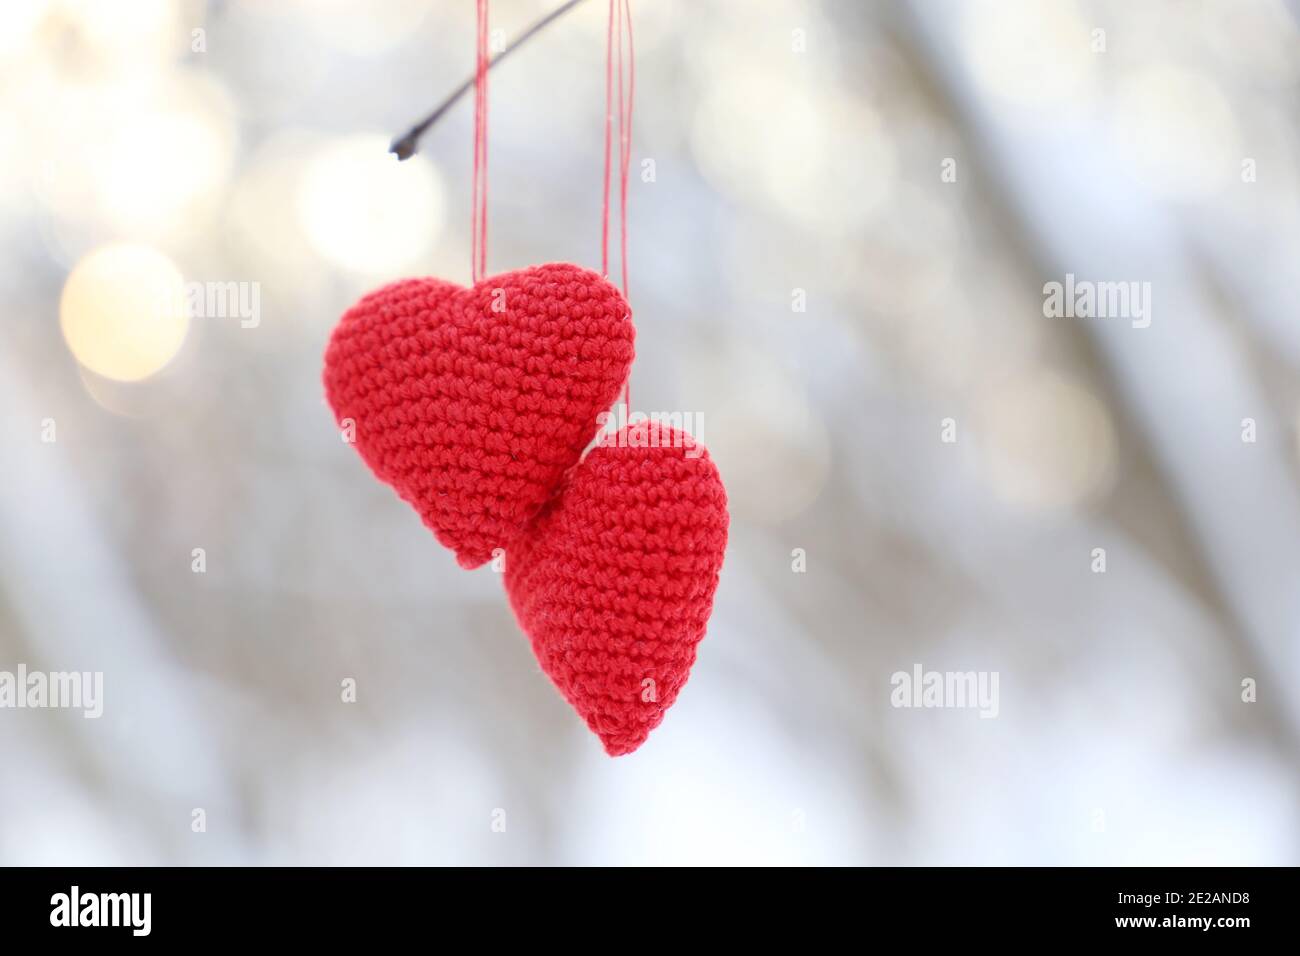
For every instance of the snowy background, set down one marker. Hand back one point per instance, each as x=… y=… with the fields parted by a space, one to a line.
x=798 y=147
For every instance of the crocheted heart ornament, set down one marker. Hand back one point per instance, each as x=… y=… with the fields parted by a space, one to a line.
x=614 y=581
x=473 y=402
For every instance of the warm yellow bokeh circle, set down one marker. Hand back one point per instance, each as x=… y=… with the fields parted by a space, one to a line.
x=123 y=311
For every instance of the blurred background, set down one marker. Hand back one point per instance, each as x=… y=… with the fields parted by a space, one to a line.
x=838 y=262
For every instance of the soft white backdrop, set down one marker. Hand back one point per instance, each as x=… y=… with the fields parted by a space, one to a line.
x=1121 y=735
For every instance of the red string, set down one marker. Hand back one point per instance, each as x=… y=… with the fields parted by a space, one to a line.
x=478 y=201
x=620 y=21
x=609 y=117
x=625 y=132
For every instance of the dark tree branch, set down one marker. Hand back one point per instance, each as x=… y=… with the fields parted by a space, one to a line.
x=404 y=146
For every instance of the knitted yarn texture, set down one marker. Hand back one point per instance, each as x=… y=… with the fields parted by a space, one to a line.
x=614 y=581
x=472 y=403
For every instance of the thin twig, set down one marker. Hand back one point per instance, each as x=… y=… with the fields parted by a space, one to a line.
x=404 y=146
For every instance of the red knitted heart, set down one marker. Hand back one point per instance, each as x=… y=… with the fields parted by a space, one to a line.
x=473 y=403
x=614 y=581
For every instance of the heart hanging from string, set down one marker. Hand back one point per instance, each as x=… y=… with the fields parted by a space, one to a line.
x=473 y=402
x=476 y=404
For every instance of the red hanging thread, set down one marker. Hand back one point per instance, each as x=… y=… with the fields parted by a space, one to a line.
x=620 y=21
x=625 y=129
x=478 y=200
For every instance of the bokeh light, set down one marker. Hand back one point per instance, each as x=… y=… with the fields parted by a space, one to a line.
x=1178 y=127
x=1029 y=53
x=805 y=154
x=363 y=210
x=130 y=37
x=18 y=21
x=1046 y=442
x=363 y=29
x=123 y=311
x=164 y=163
